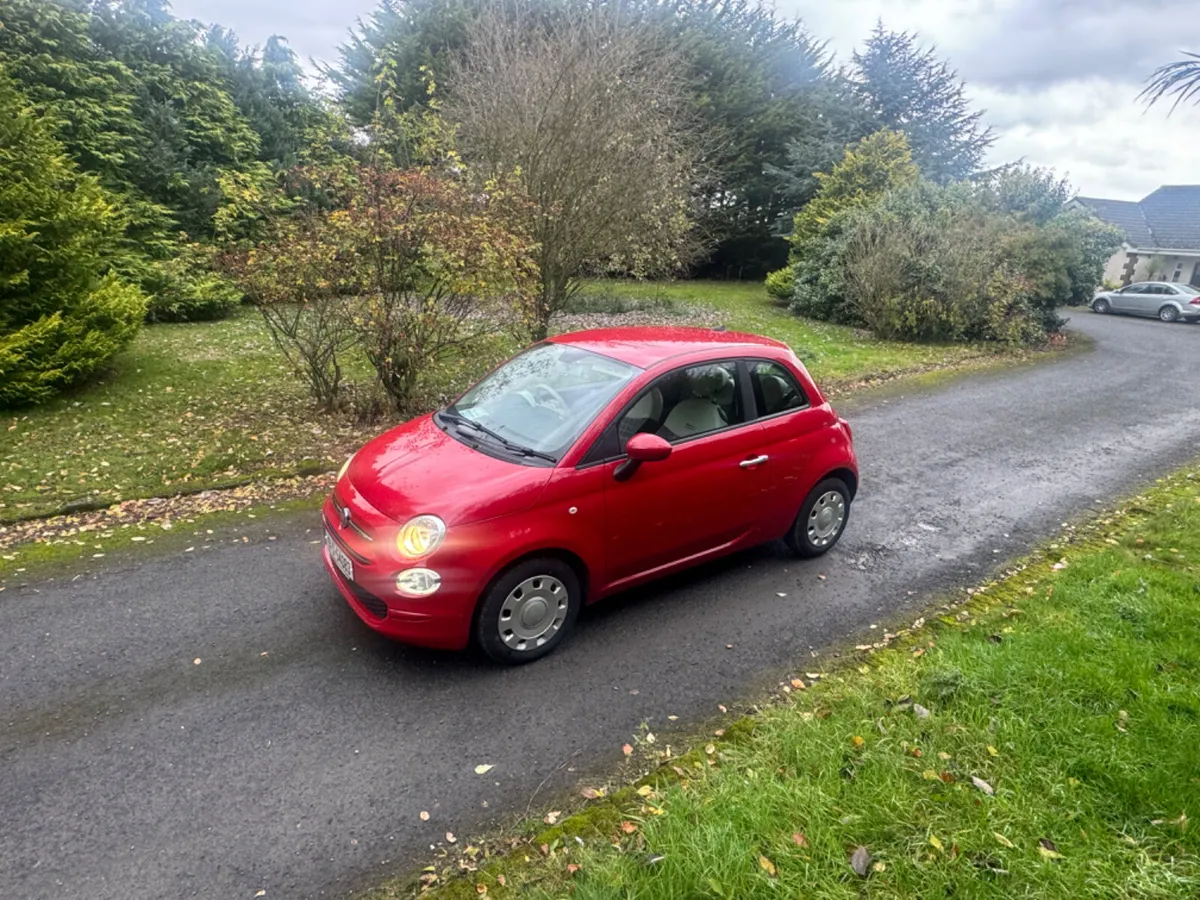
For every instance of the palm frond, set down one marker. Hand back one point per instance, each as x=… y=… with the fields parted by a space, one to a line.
x=1179 y=79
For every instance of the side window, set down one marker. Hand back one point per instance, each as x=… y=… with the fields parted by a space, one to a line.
x=1132 y=289
x=686 y=403
x=775 y=388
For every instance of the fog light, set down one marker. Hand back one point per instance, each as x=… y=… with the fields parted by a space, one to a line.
x=418 y=582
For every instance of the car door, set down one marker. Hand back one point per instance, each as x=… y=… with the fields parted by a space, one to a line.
x=793 y=432
x=1125 y=300
x=1147 y=301
x=700 y=501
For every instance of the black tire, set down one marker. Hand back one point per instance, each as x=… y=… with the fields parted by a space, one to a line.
x=1168 y=314
x=518 y=649
x=809 y=542
x=1101 y=306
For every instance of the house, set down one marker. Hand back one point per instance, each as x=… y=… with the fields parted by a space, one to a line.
x=1162 y=234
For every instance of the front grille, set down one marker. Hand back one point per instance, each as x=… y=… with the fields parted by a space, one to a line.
x=373 y=604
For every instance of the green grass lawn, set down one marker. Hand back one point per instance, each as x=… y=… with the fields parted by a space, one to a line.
x=834 y=354
x=1042 y=740
x=193 y=406
x=185 y=407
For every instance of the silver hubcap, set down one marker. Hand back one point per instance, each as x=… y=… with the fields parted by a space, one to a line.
x=825 y=520
x=533 y=612
x=1167 y=314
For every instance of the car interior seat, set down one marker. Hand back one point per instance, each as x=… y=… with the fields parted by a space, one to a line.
x=777 y=394
x=642 y=416
x=712 y=391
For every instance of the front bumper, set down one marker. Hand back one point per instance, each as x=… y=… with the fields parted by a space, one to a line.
x=442 y=620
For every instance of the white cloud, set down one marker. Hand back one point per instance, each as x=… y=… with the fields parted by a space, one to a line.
x=1059 y=78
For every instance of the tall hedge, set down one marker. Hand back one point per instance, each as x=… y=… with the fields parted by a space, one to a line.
x=62 y=311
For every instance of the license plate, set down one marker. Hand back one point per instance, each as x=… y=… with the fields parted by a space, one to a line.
x=340 y=559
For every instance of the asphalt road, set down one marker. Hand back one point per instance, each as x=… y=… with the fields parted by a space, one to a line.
x=297 y=756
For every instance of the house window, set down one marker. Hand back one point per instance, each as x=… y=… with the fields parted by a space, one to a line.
x=1178 y=271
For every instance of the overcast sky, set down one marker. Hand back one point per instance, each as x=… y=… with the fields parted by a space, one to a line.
x=1058 y=78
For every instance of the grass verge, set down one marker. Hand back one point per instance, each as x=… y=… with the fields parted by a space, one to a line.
x=1038 y=738
x=841 y=359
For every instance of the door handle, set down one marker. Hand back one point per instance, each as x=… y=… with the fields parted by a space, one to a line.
x=750 y=463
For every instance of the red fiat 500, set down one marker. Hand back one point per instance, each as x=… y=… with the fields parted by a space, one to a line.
x=587 y=464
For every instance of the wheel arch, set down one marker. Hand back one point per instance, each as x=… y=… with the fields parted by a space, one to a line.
x=848 y=477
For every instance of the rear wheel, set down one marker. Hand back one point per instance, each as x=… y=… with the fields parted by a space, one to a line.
x=528 y=611
x=1101 y=306
x=1168 y=313
x=821 y=520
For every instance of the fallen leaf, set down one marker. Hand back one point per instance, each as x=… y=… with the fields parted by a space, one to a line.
x=572 y=868
x=766 y=865
x=857 y=741
x=483 y=769
x=798 y=684
x=992 y=751
x=196 y=661
x=645 y=790
x=592 y=793
x=450 y=838
x=424 y=816
x=260 y=894
x=800 y=839
x=860 y=861
x=627 y=750
x=936 y=844
x=929 y=775
x=552 y=816
x=501 y=880
x=722 y=708
x=1047 y=849
x=481 y=889
x=982 y=785
x=920 y=651
x=946 y=777
x=628 y=827
x=919 y=711
x=1002 y=839
x=710 y=749
x=943 y=755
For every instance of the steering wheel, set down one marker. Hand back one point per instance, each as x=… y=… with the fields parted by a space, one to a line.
x=556 y=404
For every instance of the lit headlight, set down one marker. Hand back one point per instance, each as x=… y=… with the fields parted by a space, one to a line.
x=420 y=536
x=418 y=582
x=345 y=466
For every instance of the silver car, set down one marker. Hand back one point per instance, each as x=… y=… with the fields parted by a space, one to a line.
x=1169 y=301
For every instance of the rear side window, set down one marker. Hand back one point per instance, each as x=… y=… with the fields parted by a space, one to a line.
x=775 y=388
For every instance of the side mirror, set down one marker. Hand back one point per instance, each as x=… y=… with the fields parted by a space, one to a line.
x=647 y=448
x=640 y=449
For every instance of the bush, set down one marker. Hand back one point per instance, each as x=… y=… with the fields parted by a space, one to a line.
x=781 y=284
x=409 y=265
x=954 y=263
x=185 y=288
x=62 y=314
x=61 y=349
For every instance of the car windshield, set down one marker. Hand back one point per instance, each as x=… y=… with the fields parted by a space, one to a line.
x=543 y=399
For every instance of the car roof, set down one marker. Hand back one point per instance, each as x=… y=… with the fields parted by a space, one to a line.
x=645 y=346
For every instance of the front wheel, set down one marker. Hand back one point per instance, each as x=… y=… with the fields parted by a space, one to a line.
x=1168 y=313
x=528 y=611
x=1101 y=306
x=821 y=520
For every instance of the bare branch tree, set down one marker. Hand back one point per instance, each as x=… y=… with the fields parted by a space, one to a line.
x=590 y=115
x=1179 y=79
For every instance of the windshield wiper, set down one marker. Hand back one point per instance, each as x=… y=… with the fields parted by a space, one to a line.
x=462 y=421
